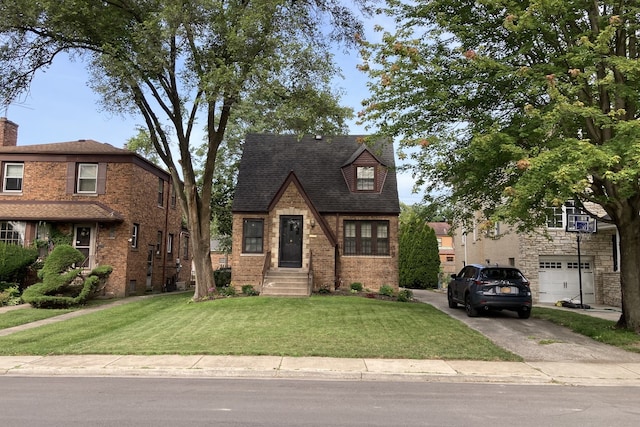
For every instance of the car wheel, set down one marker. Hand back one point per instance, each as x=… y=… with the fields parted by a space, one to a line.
x=471 y=311
x=452 y=303
x=524 y=313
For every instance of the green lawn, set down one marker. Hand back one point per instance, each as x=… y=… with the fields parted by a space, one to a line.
x=598 y=329
x=27 y=315
x=331 y=326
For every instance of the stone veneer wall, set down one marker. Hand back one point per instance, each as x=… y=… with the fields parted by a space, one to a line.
x=596 y=247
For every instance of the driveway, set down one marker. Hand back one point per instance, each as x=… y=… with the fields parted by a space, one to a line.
x=534 y=340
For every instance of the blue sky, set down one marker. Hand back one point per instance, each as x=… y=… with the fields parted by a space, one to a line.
x=61 y=107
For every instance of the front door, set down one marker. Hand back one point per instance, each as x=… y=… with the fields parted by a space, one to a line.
x=150 y=252
x=82 y=242
x=290 y=241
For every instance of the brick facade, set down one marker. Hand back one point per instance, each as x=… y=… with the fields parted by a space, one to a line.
x=329 y=268
x=131 y=193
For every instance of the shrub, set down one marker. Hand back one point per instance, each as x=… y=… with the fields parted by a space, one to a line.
x=356 y=286
x=249 y=290
x=10 y=296
x=228 y=291
x=405 y=295
x=14 y=261
x=386 y=290
x=222 y=277
x=62 y=285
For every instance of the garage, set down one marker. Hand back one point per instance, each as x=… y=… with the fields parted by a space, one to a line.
x=559 y=279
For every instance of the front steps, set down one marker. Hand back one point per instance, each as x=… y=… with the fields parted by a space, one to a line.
x=286 y=283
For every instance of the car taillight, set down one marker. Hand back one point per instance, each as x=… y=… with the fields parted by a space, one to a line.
x=480 y=282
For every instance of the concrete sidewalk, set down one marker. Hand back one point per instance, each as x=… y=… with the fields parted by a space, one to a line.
x=320 y=368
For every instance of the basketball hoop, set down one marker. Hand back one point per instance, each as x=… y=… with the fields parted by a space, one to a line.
x=584 y=226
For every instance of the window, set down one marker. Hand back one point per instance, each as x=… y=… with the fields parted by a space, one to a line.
x=159 y=243
x=12 y=232
x=170 y=243
x=450 y=259
x=557 y=216
x=135 y=232
x=13 y=177
x=185 y=247
x=173 y=196
x=87 y=178
x=160 y=192
x=366 y=238
x=252 y=232
x=365 y=178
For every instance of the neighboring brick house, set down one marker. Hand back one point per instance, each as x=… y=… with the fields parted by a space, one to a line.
x=550 y=262
x=324 y=209
x=111 y=204
x=445 y=248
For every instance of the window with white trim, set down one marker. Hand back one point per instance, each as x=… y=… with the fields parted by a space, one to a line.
x=12 y=177
x=365 y=178
x=252 y=235
x=12 y=232
x=87 y=178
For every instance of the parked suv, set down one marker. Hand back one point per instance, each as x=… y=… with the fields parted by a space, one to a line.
x=484 y=287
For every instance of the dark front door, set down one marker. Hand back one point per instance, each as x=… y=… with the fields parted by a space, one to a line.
x=290 y=241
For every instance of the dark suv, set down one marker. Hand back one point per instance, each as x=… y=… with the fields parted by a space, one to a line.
x=484 y=287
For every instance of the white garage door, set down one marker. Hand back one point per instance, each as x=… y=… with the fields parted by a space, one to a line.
x=559 y=279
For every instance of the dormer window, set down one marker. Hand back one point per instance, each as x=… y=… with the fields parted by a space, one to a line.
x=365 y=178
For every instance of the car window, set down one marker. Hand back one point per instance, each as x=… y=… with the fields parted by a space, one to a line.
x=469 y=273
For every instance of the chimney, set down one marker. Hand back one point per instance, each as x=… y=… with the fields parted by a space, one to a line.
x=8 y=133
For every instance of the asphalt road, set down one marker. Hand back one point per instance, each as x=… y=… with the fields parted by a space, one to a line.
x=534 y=340
x=123 y=402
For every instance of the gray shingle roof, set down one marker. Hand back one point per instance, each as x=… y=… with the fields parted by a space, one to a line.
x=81 y=146
x=267 y=160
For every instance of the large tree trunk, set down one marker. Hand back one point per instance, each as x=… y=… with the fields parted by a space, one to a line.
x=629 y=229
x=198 y=223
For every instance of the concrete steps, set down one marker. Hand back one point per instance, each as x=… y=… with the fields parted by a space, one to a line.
x=286 y=282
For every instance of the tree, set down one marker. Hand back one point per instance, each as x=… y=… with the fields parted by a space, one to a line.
x=174 y=63
x=517 y=106
x=418 y=260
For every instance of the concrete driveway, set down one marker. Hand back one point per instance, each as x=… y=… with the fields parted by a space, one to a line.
x=532 y=339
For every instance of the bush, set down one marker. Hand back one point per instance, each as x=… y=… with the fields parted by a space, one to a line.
x=228 y=291
x=222 y=277
x=62 y=285
x=356 y=286
x=14 y=261
x=405 y=295
x=10 y=296
x=386 y=290
x=249 y=291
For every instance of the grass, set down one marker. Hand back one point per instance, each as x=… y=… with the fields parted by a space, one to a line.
x=601 y=330
x=330 y=326
x=27 y=315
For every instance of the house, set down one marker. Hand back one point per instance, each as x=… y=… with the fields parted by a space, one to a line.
x=219 y=256
x=315 y=213
x=445 y=248
x=549 y=257
x=111 y=204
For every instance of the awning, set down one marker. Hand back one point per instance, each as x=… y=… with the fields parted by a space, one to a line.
x=58 y=211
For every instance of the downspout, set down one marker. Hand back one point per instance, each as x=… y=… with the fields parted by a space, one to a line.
x=336 y=255
x=165 y=237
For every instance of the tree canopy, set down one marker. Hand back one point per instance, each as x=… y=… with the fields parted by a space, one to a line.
x=185 y=65
x=516 y=106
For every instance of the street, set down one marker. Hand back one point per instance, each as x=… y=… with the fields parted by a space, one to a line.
x=122 y=402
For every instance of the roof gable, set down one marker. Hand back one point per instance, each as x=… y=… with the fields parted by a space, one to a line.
x=268 y=159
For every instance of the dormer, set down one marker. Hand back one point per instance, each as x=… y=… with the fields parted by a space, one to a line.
x=364 y=172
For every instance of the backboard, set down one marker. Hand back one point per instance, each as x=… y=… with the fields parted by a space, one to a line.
x=581 y=223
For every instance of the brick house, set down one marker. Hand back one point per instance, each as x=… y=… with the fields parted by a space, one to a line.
x=111 y=204
x=314 y=213
x=445 y=248
x=550 y=261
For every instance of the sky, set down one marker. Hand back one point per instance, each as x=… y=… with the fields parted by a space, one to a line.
x=60 y=107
